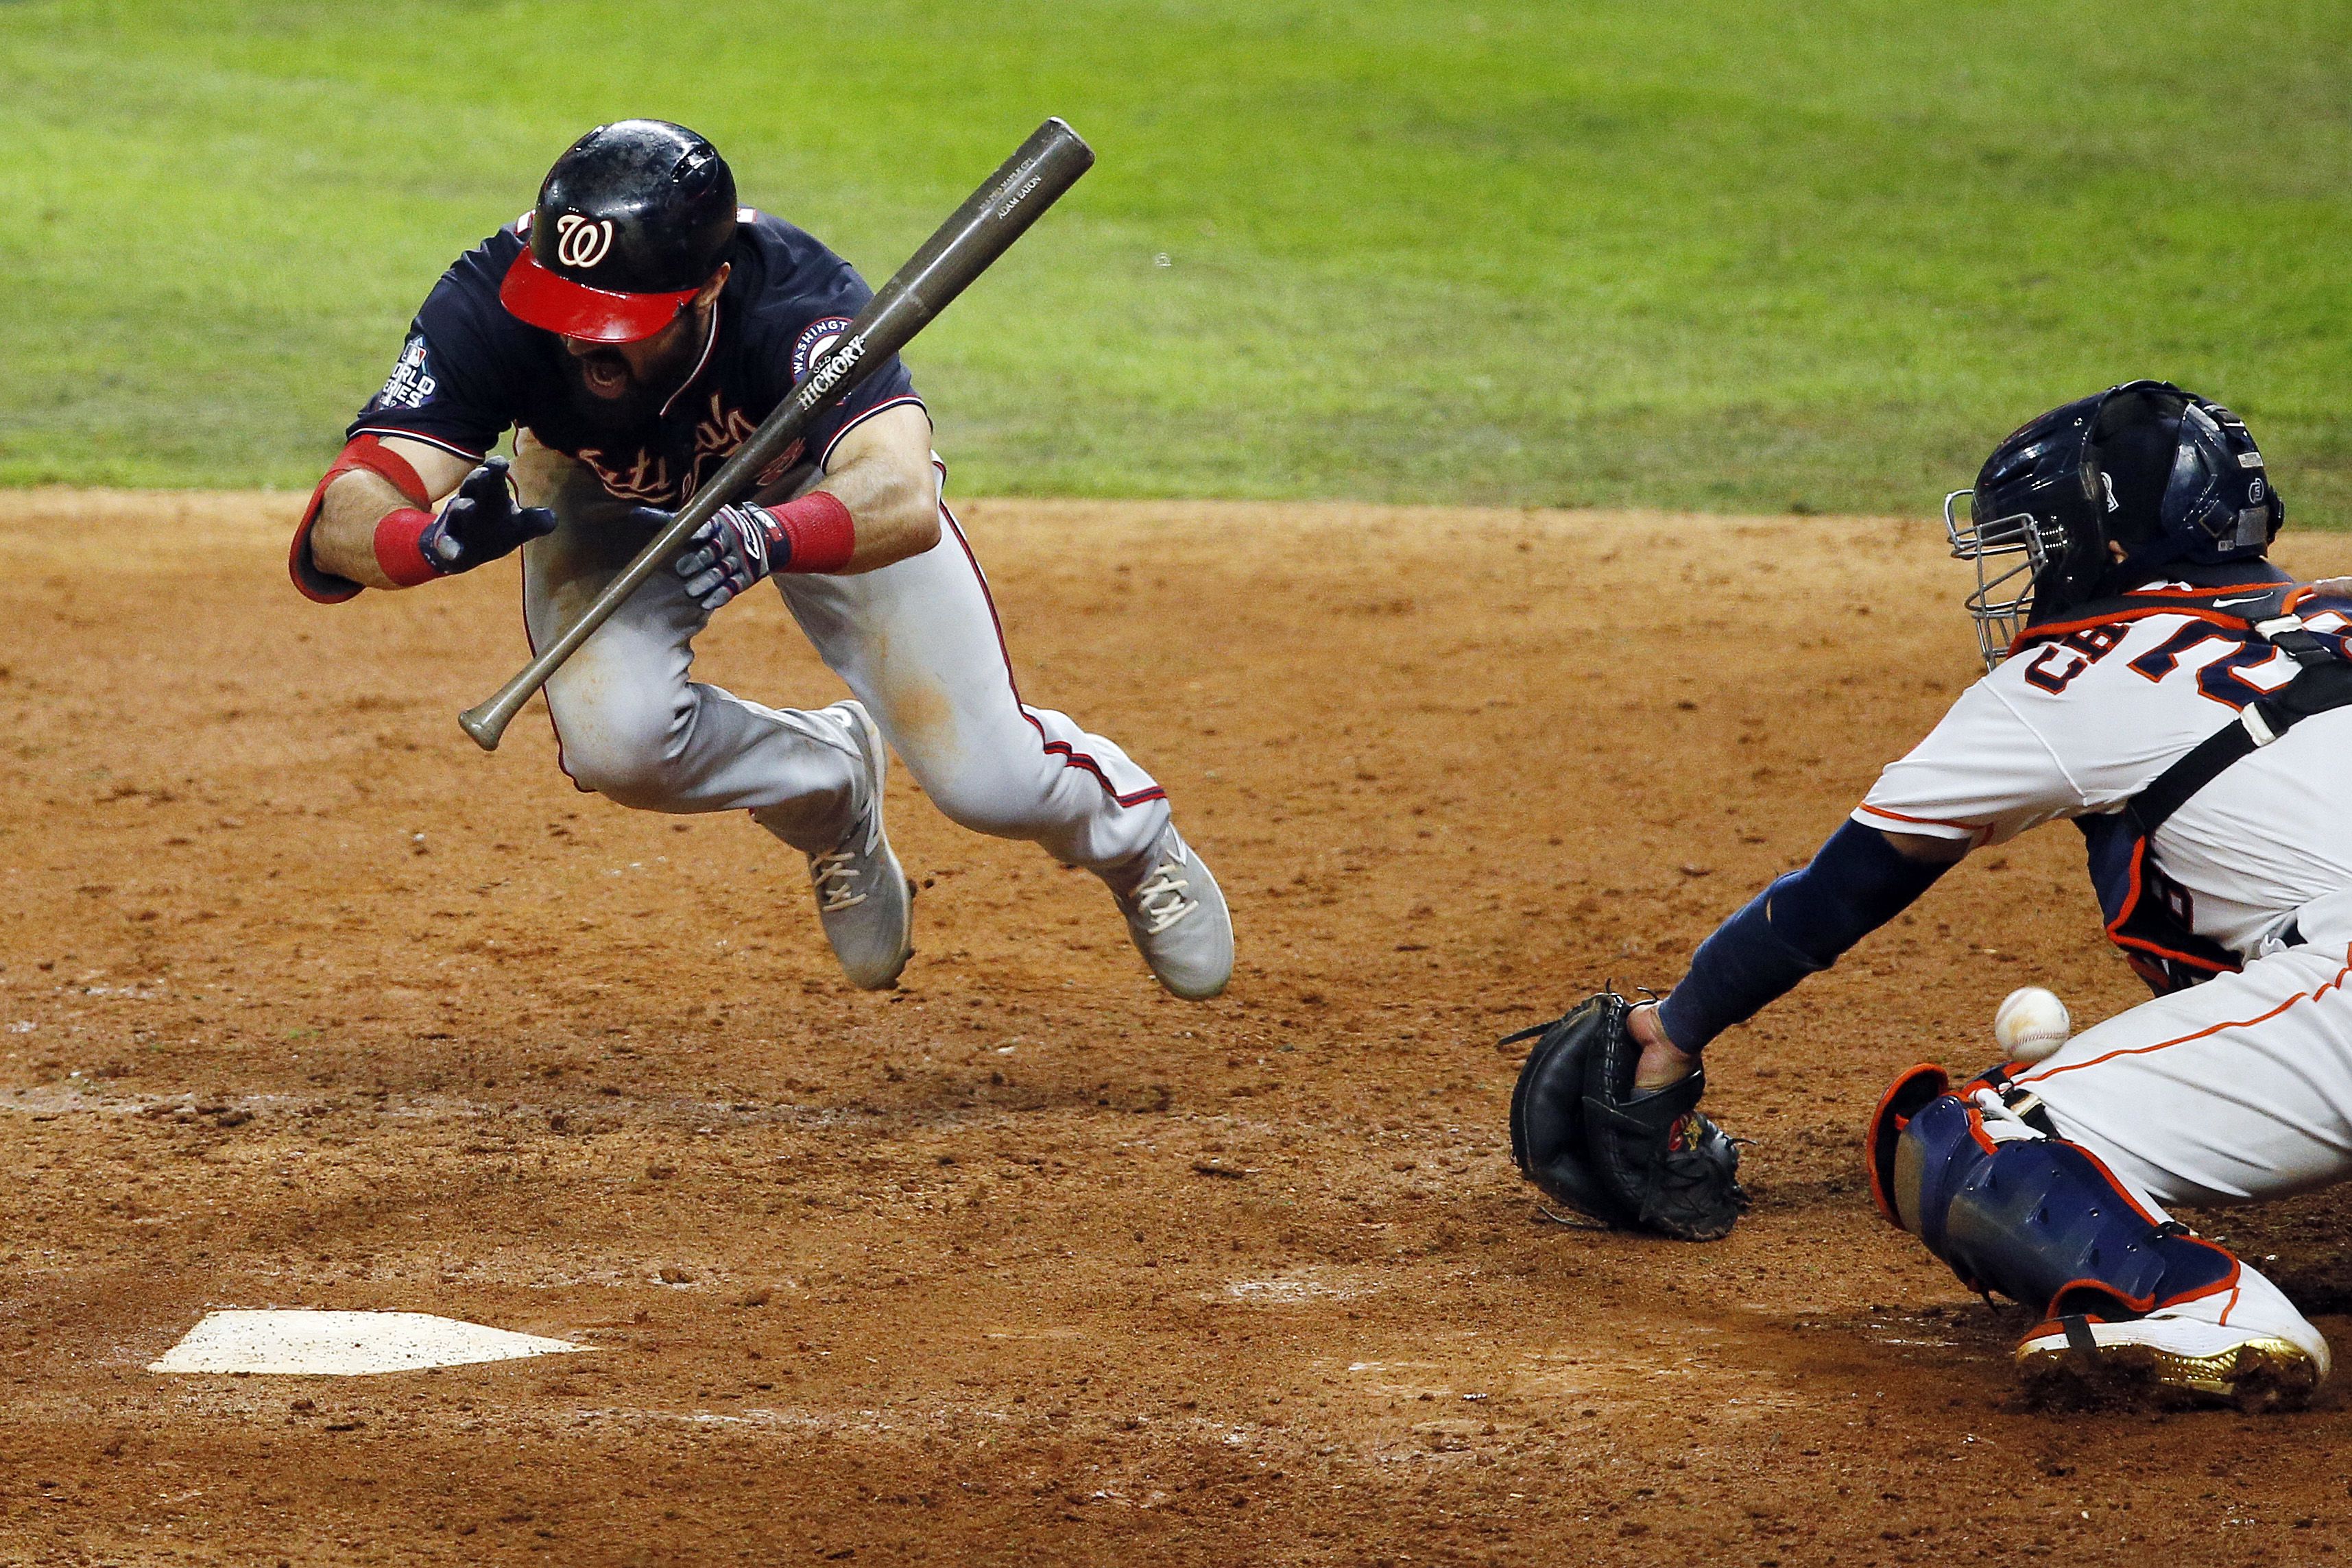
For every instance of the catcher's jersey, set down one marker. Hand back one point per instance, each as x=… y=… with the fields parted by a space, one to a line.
x=470 y=368
x=2081 y=724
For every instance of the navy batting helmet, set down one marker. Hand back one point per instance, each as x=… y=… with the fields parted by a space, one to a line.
x=633 y=219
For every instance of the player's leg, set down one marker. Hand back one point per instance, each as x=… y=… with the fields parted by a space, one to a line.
x=2235 y=1091
x=2230 y=1091
x=919 y=643
x=2052 y=1190
x=2123 y=1293
x=632 y=725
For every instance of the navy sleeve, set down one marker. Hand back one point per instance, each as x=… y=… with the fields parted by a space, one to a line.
x=820 y=312
x=1855 y=882
x=447 y=387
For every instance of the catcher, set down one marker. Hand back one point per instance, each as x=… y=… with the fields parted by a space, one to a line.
x=2153 y=679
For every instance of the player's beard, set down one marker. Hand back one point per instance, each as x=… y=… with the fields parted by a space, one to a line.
x=610 y=397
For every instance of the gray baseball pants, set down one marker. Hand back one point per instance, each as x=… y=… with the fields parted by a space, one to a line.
x=917 y=642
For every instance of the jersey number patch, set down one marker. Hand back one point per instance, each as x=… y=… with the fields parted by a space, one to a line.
x=2218 y=680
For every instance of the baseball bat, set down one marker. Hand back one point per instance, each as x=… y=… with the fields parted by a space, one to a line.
x=983 y=229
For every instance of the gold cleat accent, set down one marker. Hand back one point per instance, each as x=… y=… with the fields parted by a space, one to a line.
x=2075 y=1362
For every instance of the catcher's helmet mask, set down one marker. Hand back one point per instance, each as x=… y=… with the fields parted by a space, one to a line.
x=2169 y=475
x=631 y=223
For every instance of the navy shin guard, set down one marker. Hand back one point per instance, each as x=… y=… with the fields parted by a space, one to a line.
x=2037 y=1218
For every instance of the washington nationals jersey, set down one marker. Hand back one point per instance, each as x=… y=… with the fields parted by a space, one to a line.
x=2080 y=725
x=470 y=370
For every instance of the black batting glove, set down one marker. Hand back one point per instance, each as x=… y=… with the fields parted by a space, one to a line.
x=482 y=523
x=738 y=546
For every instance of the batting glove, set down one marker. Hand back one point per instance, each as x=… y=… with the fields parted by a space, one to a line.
x=738 y=546
x=481 y=522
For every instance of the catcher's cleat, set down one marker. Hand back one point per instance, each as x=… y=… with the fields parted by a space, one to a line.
x=1583 y=1135
x=2079 y=1359
x=1177 y=917
x=862 y=897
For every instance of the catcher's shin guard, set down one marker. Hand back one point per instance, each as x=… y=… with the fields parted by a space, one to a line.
x=2038 y=1218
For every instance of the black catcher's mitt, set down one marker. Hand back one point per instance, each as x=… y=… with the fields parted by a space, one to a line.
x=1644 y=1162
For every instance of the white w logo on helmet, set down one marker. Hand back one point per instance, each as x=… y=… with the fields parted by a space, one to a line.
x=582 y=242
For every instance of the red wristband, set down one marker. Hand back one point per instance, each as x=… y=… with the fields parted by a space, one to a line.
x=363 y=452
x=819 y=531
x=400 y=548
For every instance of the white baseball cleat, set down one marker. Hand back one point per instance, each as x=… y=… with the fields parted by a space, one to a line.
x=2169 y=1359
x=1177 y=917
x=862 y=898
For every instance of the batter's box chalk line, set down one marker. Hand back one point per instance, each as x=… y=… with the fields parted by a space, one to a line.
x=344 y=1345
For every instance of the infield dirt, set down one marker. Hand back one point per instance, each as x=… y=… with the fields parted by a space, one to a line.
x=308 y=1003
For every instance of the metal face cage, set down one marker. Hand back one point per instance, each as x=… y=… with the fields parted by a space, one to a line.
x=2004 y=594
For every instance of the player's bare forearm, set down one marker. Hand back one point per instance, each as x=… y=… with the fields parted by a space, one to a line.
x=342 y=541
x=882 y=472
x=878 y=503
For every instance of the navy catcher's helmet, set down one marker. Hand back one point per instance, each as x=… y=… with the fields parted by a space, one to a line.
x=633 y=219
x=2169 y=475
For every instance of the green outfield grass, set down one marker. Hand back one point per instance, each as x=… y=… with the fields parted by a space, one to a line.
x=1788 y=255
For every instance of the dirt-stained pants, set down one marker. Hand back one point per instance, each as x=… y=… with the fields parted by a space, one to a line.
x=917 y=642
x=2230 y=1091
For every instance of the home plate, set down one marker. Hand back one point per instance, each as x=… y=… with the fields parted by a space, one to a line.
x=344 y=1345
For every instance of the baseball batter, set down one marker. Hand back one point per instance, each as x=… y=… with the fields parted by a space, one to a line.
x=2153 y=678
x=633 y=330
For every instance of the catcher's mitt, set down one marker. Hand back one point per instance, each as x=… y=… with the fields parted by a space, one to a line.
x=1646 y=1162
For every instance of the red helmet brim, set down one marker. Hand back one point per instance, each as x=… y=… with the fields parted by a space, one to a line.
x=533 y=294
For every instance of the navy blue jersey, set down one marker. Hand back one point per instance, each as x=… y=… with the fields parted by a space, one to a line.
x=470 y=370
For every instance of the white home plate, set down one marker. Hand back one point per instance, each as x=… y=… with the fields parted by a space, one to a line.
x=344 y=1345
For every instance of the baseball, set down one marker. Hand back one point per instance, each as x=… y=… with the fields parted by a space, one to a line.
x=2030 y=1024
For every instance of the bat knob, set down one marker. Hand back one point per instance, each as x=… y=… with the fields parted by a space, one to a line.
x=485 y=723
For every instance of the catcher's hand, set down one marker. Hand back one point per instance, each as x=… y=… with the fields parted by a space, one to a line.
x=1580 y=1132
